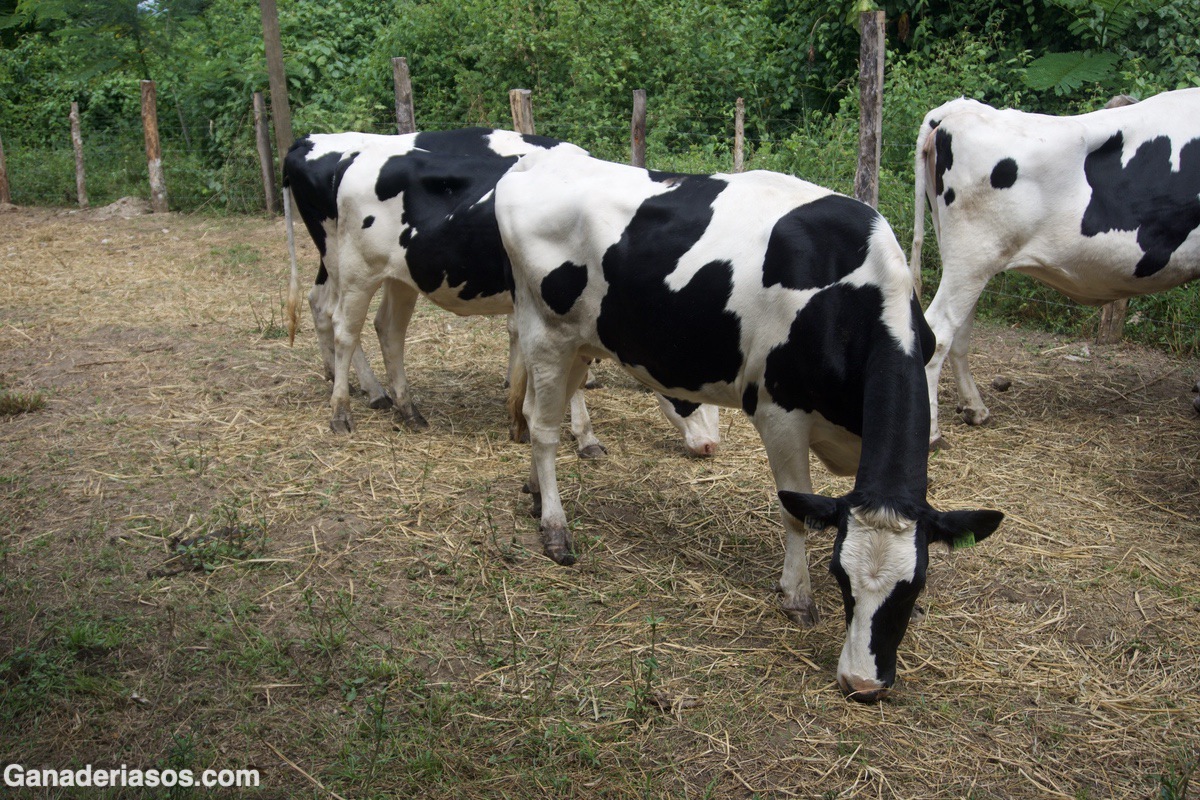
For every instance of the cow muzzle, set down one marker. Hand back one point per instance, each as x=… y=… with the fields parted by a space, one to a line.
x=862 y=690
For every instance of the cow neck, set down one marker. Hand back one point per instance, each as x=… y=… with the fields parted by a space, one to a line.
x=892 y=469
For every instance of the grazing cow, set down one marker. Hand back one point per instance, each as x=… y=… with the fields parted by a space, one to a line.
x=755 y=291
x=414 y=214
x=1099 y=206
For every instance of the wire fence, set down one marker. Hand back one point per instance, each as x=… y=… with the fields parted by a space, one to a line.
x=215 y=169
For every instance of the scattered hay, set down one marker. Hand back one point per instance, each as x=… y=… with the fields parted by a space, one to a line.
x=1058 y=658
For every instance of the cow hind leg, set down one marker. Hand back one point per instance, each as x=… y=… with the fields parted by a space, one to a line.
x=321 y=301
x=785 y=436
x=950 y=310
x=348 y=318
x=970 y=402
x=391 y=324
x=545 y=404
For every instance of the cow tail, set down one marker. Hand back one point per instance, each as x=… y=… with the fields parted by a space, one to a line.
x=920 y=178
x=518 y=428
x=293 y=300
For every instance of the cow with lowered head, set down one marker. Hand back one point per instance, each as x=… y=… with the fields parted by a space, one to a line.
x=1099 y=206
x=755 y=291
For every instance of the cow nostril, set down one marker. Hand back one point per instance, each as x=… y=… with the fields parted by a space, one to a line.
x=861 y=690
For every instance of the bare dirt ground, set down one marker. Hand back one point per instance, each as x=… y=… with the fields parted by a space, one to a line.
x=196 y=573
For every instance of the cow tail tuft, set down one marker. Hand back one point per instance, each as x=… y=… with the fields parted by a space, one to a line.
x=920 y=171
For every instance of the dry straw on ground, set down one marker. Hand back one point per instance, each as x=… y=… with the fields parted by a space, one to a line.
x=385 y=624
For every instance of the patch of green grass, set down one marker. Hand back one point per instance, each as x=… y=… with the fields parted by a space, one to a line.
x=14 y=403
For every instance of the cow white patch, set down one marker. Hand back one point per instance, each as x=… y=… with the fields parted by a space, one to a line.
x=878 y=553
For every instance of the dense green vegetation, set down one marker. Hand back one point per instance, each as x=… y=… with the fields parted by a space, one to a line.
x=794 y=62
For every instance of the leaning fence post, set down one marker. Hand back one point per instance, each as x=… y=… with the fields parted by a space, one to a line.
x=870 y=92
x=77 y=144
x=521 y=102
x=5 y=197
x=1112 y=315
x=262 y=137
x=739 y=135
x=158 y=184
x=637 y=130
x=406 y=120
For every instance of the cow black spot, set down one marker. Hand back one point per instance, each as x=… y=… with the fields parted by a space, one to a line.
x=1146 y=195
x=949 y=197
x=750 y=399
x=683 y=338
x=368 y=221
x=821 y=367
x=1004 y=174
x=451 y=236
x=943 y=157
x=311 y=183
x=562 y=287
x=841 y=361
x=470 y=141
x=683 y=408
x=818 y=243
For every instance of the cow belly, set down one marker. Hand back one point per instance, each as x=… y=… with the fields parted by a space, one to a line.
x=452 y=300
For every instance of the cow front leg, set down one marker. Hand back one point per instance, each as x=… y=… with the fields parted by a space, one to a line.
x=586 y=443
x=391 y=324
x=785 y=436
x=795 y=587
x=970 y=402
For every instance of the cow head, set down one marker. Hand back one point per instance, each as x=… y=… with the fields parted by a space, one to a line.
x=879 y=559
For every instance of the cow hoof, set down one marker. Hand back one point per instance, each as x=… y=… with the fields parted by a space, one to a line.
x=938 y=443
x=802 y=611
x=557 y=545
x=413 y=420
x=341 y=424
x=593 y=451
x=381 y=402
x=918 y=614
x=1196 y=405
x=975 y=416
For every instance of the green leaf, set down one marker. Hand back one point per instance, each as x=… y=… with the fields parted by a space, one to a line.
x=1066 y=72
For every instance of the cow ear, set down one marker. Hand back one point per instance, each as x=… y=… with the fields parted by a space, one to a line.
x=962 y=528
x=817 y=512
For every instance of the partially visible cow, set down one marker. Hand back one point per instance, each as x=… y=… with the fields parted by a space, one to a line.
x=755 y=291
x=423 y=224
x=1099 y=206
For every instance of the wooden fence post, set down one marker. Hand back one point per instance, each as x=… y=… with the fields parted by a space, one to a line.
x=281 y=111
x=1112 y=321
x=5 y=197
x=739 y=135
x=637 y=130
x=158 y=184
x=870 y=91
x=262 y=137
x=406 y=120
x=1112 y=315
x=521 y=102
x=77 y=144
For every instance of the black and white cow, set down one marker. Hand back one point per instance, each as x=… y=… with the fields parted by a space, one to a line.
x=755 y=291
x=1099 y=206
x=422 y=223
